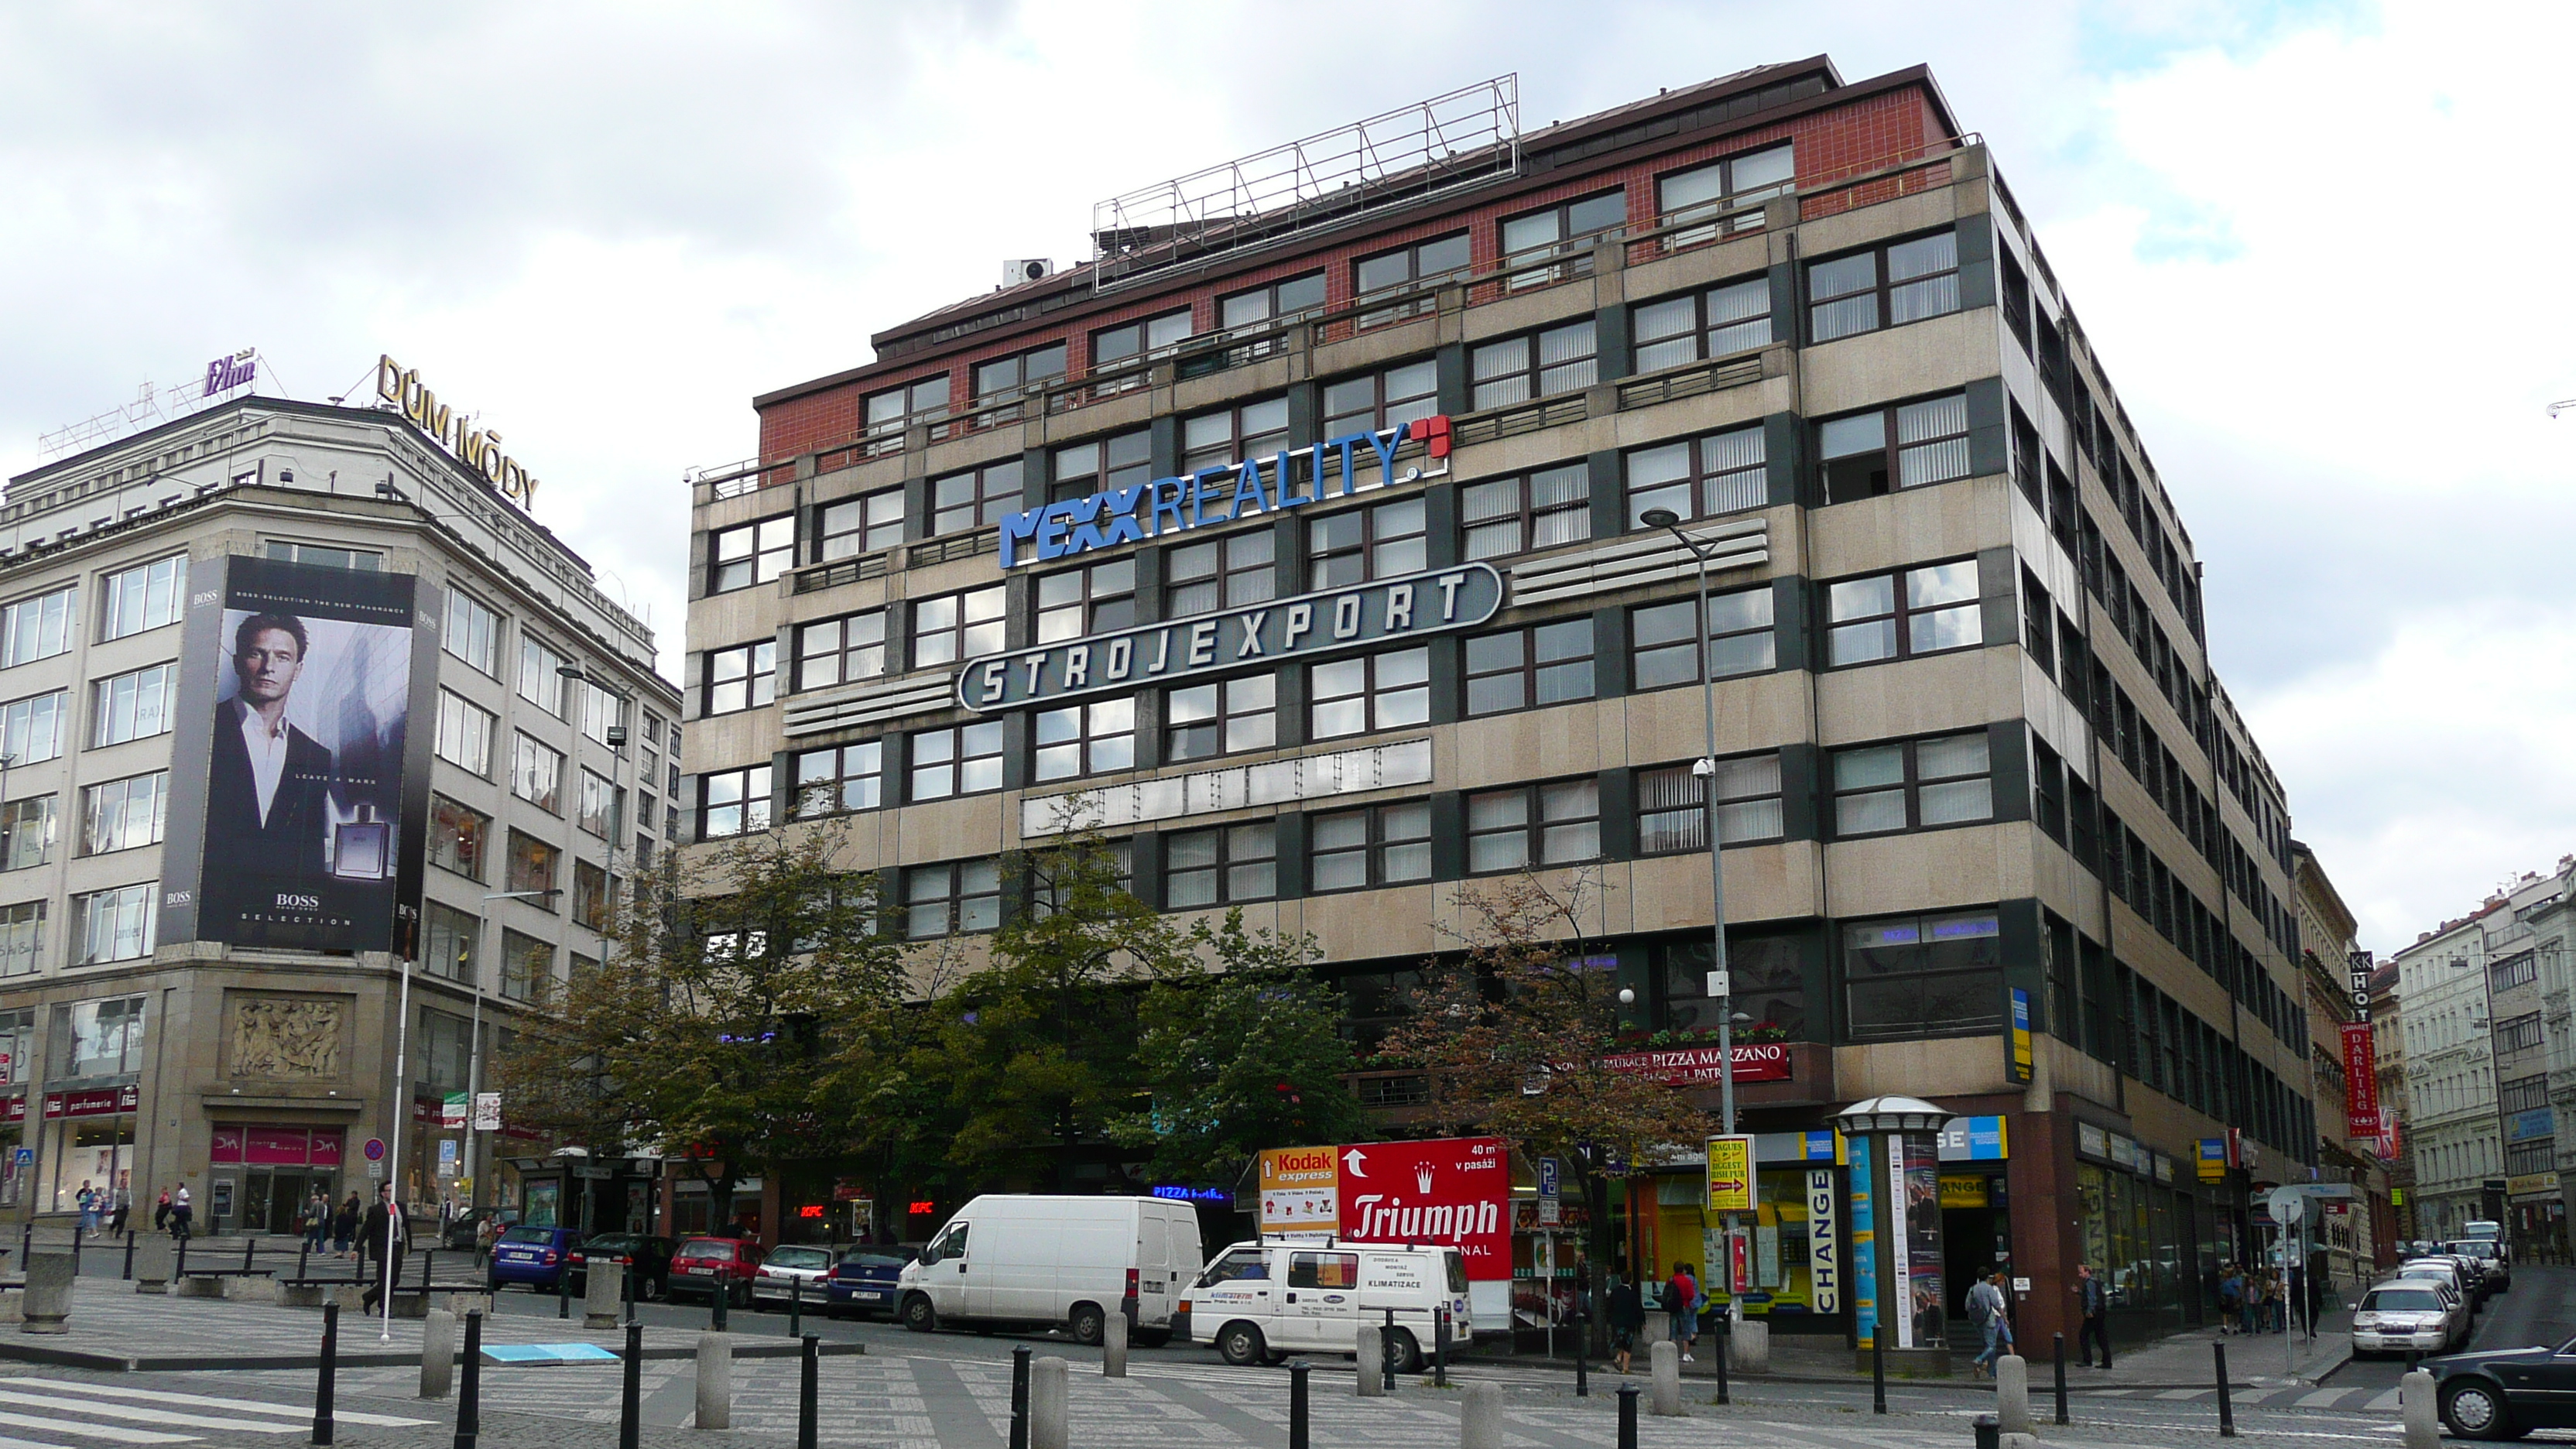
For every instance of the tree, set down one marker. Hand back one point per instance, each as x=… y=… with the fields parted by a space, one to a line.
x=1251 y=1056
x=729 y=979
x=1516 y=1031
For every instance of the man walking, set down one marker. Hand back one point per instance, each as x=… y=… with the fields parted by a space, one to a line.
x=1627 y=1315
x=2096 y=1306
x=387 y=1231
x=1986 y=1311
x=182 y=1214
x=1681 y=1301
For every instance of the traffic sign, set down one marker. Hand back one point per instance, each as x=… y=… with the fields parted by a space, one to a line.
x=1550 y=1173
x=26 y=1156
x=2286 y=1204
x=375 y=1149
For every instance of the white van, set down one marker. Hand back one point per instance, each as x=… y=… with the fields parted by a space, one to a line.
x=1262 y=1302
x=1070 y=1261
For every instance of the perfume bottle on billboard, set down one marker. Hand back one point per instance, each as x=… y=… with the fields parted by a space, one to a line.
x=362 y=849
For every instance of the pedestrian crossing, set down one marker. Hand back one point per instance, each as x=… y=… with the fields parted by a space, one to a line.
x=2289 y=1396
x=72 y=1414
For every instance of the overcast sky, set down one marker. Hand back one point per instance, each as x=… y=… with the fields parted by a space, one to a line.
x=2320 y=247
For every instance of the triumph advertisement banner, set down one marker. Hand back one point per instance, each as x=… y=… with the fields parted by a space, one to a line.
x=300 y=826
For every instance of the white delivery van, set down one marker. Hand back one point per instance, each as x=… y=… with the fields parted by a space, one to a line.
x=1262 y=1302
x=1069 y=1261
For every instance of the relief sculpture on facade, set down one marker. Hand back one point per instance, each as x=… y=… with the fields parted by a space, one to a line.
x=285 y=1037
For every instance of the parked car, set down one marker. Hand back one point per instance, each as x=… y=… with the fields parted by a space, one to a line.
x=2488 y=1254
x=645 y=1257
x=1049 y=1261
x=865 y=1281
x=463 y=1232
x=534 y=1257
x=2400 y=1315
x=1260 y=1303
x=2441 y=1270
x=2506 y=1395
x=787 y=1265
x=705 y=1267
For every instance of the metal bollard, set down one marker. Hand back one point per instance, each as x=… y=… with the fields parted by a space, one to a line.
x=1480 y=1417
x=183 y=1259
x=626 y=1286
x=563 y=1287
x=1297 y=1420
x=2061 y=1376
x=437 y=1353
x=1386 y=1349
x=128 y=1274
x=1020 y=1397
x=2226 y=1410
x=719 y=1298
x=1989 y=1435
x=26 y=1244
x=808 y=1391
x=249 y=1248
x=1878 y=1370
x=303 y=1256
x=1582 y=1347
x=715 y=1381
x=1725 y=1343
x=1440 y=1347
x=76 y=1236
x=795 y=1308
x=1628 y=1416
x=630 y=1397
x=469 y=1395
x=1049 y=1407
x=324 y=1384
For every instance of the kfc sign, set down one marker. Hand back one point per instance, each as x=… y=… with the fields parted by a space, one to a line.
x=1452 y=1191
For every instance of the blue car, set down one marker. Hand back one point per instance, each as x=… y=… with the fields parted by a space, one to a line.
x=863 y=1282
x=536 y=1257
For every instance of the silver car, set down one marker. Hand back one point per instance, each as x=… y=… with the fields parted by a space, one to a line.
x=2415 y=1314
x=791 y=1265
x=2442 y=1270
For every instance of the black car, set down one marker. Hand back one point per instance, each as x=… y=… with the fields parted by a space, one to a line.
x=2507 y=1394
x=648 y=1258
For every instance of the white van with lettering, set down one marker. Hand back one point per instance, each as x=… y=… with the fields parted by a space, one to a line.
x=1264 y=1302
x=1070 y=1262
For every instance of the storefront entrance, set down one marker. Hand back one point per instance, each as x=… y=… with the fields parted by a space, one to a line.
x=1976 y=1230
x=267 y=1171
x=275 y=1197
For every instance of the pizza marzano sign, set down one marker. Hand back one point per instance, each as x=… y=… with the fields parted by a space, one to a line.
x=1431 y=602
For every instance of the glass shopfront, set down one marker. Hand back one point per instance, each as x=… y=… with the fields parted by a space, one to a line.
x=2143 y=1235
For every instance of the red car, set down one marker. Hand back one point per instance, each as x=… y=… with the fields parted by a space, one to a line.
x=705 y=1267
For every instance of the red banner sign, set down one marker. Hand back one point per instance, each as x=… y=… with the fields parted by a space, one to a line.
x=1451 y=1190
x=1755 y=1061
x=2360 y=1084
x=100 y=1102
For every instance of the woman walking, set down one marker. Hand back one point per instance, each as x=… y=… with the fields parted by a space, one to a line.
x=344 y=1226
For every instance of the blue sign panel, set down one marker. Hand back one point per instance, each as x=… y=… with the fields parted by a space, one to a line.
x=2523 y=1126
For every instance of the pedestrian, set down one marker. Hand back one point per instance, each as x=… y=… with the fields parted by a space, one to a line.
x=317 y=1220
x=124 y=1207
x=1986 y=1310
x=385 y=1232
x=182 y=1212
x=1681 y=1300
x=2095 y=1307
x=161 y=1213
x=344 y=1226
x=88 y=1201
x=1627 y=1316
x=2231 y=1299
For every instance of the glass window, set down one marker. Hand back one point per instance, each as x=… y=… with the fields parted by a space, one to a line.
x=1722 y=186
x=1122 y=460
x=1380 y=845
x=890 y=410
x=958 y=760
x=116 y=925
x=1277 y=300
x=458 y=835
x=1538 y=666
x=1355 y=545
x=536 y=773
x=1201 y=721
x=839 y=778
x=527 y=966
x=1890 y=284
x=598 y=812
x=124 y=814
x=1230 y=572
x=22 y=953
x=1504 y=516
x=1086 y=739
x=601 y=711
x=1769 y=984
x=37 y=628
x=472 y=632
x=952 y=627
x=1221 y=866
x=1539 y=232
x=840 y=651
x=869 y=523
x=1368 y=693
x=448 y=938
x=1542 y=364
x=1558 y=823
x=732 y=801
x=1078 y=601
x=1117 y=344
x=589 y=896
x=743 y=677
x=146 y=596
x=1008 y=374
x=1430 y=261
x=1924 y=976
x=754 y=553
x=99 y=1038
x=1376 y=400
x=1740 y=639
x=464 y=734
x=1256 y=429
x=1719 y=322
x=27 y=832
x=31 y=729
x=978 y=497
x=1672 y=805
x=1919 y=611
x=951 y=899
x=541 y=680
x=324 y=556
x=1700 y=477
x=1911 y=445
x=132 y=706
x=532 y=868
x=1912 y=784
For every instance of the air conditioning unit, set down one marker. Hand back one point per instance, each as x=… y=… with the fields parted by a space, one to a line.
x=1026 y=269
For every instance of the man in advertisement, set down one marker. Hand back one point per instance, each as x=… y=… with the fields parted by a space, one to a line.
x=268 y=795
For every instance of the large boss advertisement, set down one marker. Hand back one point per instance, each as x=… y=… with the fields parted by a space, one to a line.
x=296 y=696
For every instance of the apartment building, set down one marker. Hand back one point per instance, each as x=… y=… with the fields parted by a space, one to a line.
x=1305 y=538
x=292 y=696
x=2334 y=973
x=2398 y=1224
